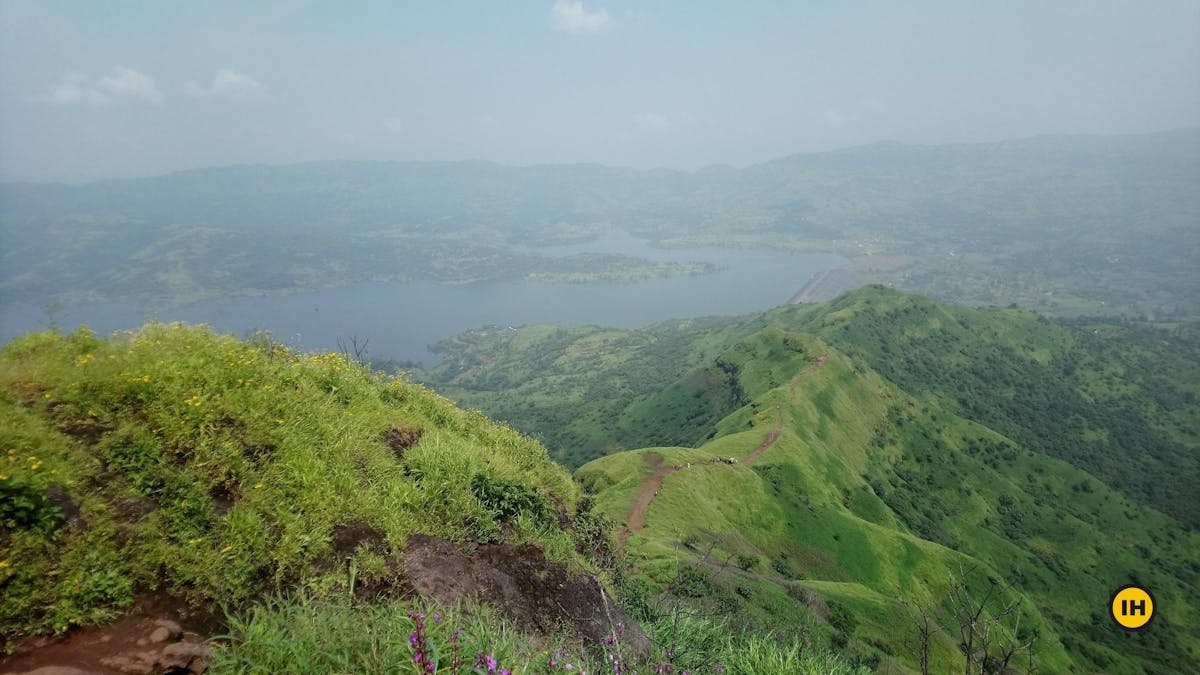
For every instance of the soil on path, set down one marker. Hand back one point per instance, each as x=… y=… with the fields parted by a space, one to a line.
x=135 y=644
x=653 y=483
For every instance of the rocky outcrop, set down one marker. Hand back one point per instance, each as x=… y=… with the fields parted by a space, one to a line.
x=537 y=594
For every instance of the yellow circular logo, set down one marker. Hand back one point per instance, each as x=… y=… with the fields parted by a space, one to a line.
x=1132 y=607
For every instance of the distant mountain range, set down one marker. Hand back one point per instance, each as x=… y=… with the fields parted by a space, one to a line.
x=1069 y=225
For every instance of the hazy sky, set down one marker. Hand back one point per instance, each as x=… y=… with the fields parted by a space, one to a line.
x=106 y=88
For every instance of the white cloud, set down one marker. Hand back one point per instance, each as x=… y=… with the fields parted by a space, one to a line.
x=127 y=81
x=225 y=82
x=75 y=89
x=569 y=16
x=71 y=90
x=394 y=125
x=233 y=82
x=652 y=120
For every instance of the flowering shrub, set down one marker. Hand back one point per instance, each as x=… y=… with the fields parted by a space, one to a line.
x=425 y=653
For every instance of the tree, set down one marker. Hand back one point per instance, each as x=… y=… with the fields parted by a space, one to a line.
x=987 y=617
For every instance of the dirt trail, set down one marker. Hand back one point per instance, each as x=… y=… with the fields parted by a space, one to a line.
x=133 y=644
x=767 y=442
x=653 y=483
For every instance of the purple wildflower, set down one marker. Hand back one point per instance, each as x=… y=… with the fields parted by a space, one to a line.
x=488 y=662
x=455 y=651
x=417 y=641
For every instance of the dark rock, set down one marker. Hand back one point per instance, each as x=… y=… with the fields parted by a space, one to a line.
x=58 y=496
x=175 y=629
x=345 y=539
x=223 y=498
x=535 y=593
x=132 y=508
x=134 y=663
x=400 y=439
x=180 y=658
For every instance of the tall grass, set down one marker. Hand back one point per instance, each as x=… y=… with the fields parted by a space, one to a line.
x=306 y=635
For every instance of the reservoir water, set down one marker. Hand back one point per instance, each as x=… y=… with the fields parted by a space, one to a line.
x=401 y=320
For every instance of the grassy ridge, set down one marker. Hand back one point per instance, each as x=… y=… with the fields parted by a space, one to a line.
x=213 y=468
x=1102 y=397
x=1062 y=458
x=280 y=487
x=873 y=499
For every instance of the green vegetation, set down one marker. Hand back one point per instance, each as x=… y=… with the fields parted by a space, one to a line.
x=1103 y=397
x=332 y=636
x=213 y=469
x=280 y=488
x=931 y=443
x=897 y=465
x=179 y=264
x=572 y=386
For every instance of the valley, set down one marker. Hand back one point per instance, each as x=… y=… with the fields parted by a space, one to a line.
x=707 y=403
x=864 y=470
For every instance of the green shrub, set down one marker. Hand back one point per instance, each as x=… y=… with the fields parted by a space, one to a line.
x=25 y=506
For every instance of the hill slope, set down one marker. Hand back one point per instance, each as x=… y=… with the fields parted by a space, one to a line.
x=177 y=461
x=313 y=513
x=1102 y=397
x=850 y=490
x=1063 y=458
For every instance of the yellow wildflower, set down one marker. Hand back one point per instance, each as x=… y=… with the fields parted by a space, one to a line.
x=258 y=486
x=3 y=564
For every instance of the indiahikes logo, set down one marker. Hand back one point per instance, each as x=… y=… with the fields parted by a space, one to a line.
x=1132 y=607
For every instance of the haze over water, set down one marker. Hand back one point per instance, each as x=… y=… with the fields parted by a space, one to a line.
x=401 y=320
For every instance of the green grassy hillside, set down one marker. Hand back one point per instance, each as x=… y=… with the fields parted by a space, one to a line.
x=273 y=495
x=1104 y=397
x=1063 y=458
x=1122 y=402
x=216 y=470
x=873 y=501
x=567 y=385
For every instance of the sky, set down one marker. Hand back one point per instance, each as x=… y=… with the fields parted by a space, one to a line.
x=92 y=90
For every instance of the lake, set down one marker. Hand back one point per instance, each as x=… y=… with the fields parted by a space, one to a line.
x=401 y=320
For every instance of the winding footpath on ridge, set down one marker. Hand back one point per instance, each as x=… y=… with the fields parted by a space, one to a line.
x=654 y=482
